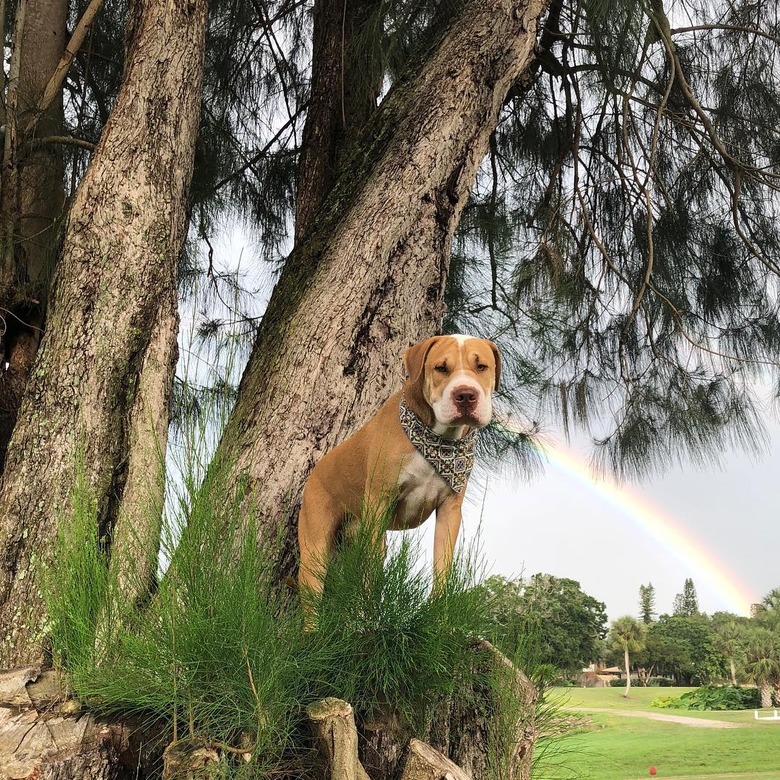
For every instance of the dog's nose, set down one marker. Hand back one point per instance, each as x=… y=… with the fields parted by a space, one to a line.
x=464 y=396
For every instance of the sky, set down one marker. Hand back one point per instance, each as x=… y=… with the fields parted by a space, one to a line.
x=717 y=526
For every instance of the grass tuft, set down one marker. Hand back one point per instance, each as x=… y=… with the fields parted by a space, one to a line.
x=220 y=655
x=76 y=585
x=388 y=639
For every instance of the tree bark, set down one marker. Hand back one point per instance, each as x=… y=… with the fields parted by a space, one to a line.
x=32 y=197
x=628 y=672
x=45 y=735
x=345 y=84
x=490 y=730
x=369 y=280
x=111 y=319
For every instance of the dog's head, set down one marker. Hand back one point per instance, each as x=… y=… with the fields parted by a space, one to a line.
x=450 y=380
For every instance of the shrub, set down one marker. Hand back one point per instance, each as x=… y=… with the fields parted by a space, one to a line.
x=712 y=697
x=665 y=702
x=660 y=682
x=220 y=654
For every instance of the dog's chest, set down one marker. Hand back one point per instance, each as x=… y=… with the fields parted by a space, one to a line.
x=420 y=491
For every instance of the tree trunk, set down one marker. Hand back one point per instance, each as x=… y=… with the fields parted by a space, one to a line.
x=345 y=84
x=111 y=319
x=369 y=280
x=488 y=729
x=733 y=668
x=765 y=691
x=628 y=672
x=32 y=198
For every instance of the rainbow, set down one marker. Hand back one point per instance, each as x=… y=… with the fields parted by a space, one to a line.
x=668 y=532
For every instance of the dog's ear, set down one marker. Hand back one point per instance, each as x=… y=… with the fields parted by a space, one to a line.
x=497 y=356
x=414 y=365
x=414 y=359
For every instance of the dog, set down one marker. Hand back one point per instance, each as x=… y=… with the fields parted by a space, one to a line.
x=416 y=453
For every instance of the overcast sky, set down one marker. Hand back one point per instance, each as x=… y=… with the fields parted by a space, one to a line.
x=566 y=526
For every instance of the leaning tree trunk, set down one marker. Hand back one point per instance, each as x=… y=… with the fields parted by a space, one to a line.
x=369 y=280
x=101 y=380
x=32 y=197
x=628 y=672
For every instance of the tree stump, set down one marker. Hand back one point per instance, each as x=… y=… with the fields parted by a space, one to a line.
x=492 y=722
x=425 y=763
x=45 y=735
x=188 y=759
x=487 y=729
x=333 y=726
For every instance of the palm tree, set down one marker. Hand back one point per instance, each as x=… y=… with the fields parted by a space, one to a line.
x=730 y=640
x=771 y=602
x=627 y=634
x=763 y=662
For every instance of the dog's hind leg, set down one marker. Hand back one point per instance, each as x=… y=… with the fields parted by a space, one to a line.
x=318 y=521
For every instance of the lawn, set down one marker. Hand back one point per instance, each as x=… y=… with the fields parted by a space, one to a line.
x=616 y=747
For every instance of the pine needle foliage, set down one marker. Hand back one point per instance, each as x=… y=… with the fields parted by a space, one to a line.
x=76 y=585
x=220 y=654
x=394 y=643
x=621 y=241
x=622 y=232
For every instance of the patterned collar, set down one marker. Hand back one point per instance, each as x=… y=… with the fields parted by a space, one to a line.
x=452 y=459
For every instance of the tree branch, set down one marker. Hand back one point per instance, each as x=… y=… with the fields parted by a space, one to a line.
x=730 y=27
x=74 y=44
x=67 y=140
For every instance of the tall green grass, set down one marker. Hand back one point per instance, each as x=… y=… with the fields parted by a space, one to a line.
x=220 y=653
x=390 y=639
x=76 y=585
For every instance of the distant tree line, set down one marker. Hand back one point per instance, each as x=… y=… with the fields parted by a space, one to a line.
x=568 y=630
x=690 y=647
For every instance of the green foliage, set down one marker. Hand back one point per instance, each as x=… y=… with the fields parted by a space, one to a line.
x=76 y=586
x=660 y=682
x=222 y=655
x=620 y=241
x=566 y=623
x=762 y=656
x=712 y=697
x=768 y=611
x=387 y=638
x=607 y=237
x=647 y=602
x=684 y=648
x=686 y=604
x=626 y=633
x=209 y=656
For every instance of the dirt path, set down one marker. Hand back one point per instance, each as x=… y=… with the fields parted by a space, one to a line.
x=701 y=723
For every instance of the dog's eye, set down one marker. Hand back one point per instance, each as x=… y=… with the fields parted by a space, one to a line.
x=481 y=367
x=441 y=369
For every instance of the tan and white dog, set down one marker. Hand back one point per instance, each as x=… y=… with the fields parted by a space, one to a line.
x=446 y=397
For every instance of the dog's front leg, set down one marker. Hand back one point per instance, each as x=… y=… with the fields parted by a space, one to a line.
x=448 y=519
